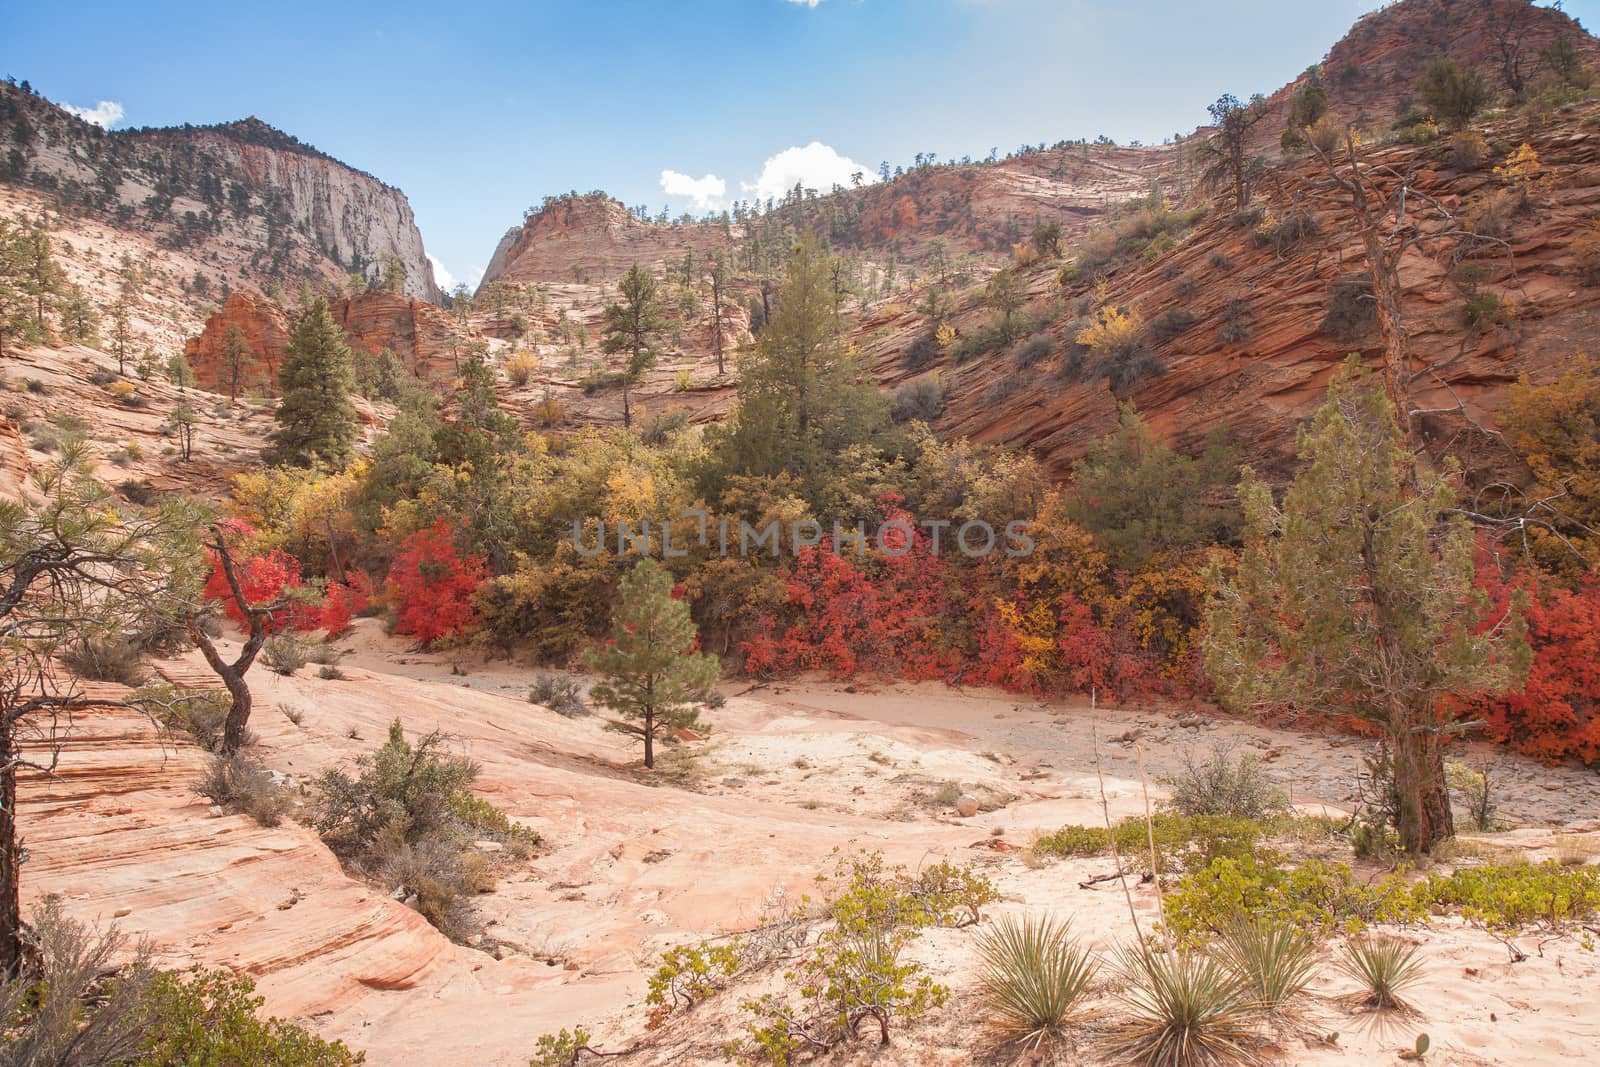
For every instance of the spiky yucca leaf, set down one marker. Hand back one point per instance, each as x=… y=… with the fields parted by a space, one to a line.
x=1034 y=972
x=1275 y=960
x=1384 y=966
x=1188 y=1011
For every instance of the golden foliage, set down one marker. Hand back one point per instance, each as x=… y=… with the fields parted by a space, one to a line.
x=1113 y=330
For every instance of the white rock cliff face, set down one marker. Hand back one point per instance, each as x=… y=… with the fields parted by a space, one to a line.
x=354 y=217
x=247 y=203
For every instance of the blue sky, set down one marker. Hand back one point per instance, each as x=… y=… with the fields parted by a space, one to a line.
x=478 y=111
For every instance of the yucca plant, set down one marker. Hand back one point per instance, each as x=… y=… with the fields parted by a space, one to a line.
x=1034 y=973
x=1188 y=1010
x=1384 y=966
x=1273 y=959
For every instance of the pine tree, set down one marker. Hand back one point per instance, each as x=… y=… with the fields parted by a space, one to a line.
x=1226 y=153
x=42 y=277
x=718 y=273
x=80 y=321
x=393 y=279
x=803 y=394
x=650 y=673
x=316 y=420
x=1005 y=295
x=121 y=332
x=633 y=327
x=1357 y=594
x=16 y=323
x=237 y=359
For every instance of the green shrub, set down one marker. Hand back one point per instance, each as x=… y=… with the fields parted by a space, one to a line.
x=408 y=816
x=209 y=1019
x=76 y=1004
x=1485 y=310
x=1352 y=312
x=979 y=342
x=921 y=399
x=419 y=789
x=561 y=693
x=1034 y=973
x=1171 y=323
x=71 y=1003
x=1316 y=897
x=1473 y=787
x=284 y=653
x=1236 y=317
x=922 y=352
x=1183 y=842
x=1281 y=233
x=688 y=974
x=105 y=659
x=1223 y=785
x=1452 y=94
x=1506 y=898
x=855 y=973
x=200 y=713
x=599 y=380
x=1036 y=349
x=1002 y=388
x=561 y=1050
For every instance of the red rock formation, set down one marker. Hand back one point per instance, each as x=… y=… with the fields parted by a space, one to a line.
x=427 y=341
x=1375 y=67
x=1262 y=386
x=265 y=327
x=591 y=239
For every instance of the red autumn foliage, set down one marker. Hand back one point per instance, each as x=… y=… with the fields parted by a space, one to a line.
x=262 y=579
x=883 y=612
x=431 y=585
x=1556 y=713
x=344 y=600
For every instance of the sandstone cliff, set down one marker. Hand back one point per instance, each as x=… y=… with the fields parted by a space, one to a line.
x=250 y=204
x=428 y=342
x=1242 y=328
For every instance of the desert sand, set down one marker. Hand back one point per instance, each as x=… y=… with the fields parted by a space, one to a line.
x=633 y=861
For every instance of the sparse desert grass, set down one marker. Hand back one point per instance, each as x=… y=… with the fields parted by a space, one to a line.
x=240 y=784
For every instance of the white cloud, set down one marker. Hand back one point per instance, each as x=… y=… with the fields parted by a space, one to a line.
x=105 y=114
x=448 y=281
x=807 y=3
x=815 y=166
x=704 y=193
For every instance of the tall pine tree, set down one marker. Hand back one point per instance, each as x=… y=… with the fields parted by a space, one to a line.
x=632 y=328
x=803 y=393
x=316 y=419
x=649 y=672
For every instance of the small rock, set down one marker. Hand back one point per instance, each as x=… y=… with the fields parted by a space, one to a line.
x=488 y=846
x=122 y=913
x=966 y=805
x=215 y=811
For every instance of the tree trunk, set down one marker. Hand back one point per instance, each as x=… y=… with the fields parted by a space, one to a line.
x=1425 y=817
x=627 y=412
x=649 y=740
x=233 y=729
x=10 y=859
